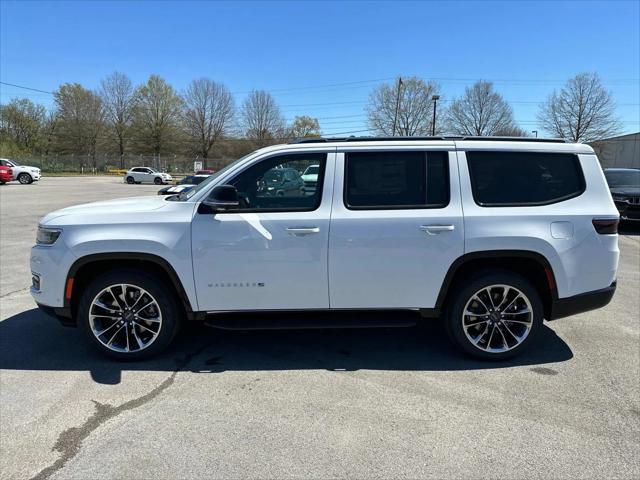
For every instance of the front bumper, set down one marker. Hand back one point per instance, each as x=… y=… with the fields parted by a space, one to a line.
x=565 y=307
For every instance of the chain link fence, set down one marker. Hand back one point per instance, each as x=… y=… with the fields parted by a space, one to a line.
x=110 y=164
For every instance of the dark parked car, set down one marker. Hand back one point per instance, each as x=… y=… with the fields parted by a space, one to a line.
x=280 y=181
x=624 y=184
x=184 y=185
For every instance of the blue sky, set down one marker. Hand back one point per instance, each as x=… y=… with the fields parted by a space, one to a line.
x=324 y=58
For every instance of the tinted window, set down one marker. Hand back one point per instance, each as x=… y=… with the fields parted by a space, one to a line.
x=623 y=178
x=396 y=180
x=522 y=178
x=276 y=184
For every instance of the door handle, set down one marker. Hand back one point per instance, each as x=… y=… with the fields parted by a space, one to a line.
x=302 y=231
x=436 y=229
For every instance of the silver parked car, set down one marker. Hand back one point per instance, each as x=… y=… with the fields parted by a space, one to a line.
x=146 y=175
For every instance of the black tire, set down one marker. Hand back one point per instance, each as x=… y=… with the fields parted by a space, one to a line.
x=466 y=291
x=25 y=179
x=170 y=311
x=130 y=180
x=158 y=181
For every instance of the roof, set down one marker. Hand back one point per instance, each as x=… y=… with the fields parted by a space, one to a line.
x=345 y=144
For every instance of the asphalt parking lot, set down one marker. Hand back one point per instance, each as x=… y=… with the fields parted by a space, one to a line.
x=384 y=403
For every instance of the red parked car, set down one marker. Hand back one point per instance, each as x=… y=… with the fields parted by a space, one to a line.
x=6 y=174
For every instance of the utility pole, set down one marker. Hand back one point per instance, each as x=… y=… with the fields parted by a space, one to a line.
x=395 y=117
x=536 y=132
x=435 y=99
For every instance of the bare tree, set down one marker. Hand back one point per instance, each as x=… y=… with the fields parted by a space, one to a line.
x=209 y=110
x=513 y=131
x=116 y=92
x=480 y=111
x=402 y=108
x=261 y=117
x=79 y=120
x=304 y=126
x=583 y=110
x=156 y=115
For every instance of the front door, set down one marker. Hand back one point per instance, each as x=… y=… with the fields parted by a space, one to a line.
x=396 y=226
x=272 y=252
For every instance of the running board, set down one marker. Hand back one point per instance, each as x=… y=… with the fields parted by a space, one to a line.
x=310 y=319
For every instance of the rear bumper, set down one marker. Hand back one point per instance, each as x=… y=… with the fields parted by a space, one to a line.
x=564 y=307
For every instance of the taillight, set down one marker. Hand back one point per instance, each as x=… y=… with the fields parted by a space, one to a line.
x=606 y=226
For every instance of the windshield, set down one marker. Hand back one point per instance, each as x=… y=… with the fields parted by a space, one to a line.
x=623 y=178
x=211 y=178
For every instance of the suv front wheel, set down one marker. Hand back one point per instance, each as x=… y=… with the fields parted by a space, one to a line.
x=495 y=315
x=129 y=314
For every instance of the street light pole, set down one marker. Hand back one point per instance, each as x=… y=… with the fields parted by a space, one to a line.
x=536 y=132
x=435 y=99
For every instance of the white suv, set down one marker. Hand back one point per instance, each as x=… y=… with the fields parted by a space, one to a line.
x=492 y=235
x=23 y=173
x=146 y=175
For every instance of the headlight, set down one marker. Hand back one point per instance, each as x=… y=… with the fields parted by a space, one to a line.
x=47 y=236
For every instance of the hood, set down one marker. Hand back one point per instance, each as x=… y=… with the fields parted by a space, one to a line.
x=631 y=191
x=177 y=188
x=123 y=206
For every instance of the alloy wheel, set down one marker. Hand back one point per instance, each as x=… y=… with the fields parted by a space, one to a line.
x=497 y=318
x=125 y=318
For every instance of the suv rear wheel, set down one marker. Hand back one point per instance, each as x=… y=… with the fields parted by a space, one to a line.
x=130 y=180
x=128 y=314
x=495 y=315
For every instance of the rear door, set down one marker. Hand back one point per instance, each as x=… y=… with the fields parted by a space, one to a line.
x=396 y=226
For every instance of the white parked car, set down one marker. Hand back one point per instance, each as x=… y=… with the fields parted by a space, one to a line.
x=490 y=235
x=310 y=179
x=146 y=175
x=22 y=173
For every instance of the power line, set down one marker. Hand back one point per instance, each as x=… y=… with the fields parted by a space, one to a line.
x=26 y=88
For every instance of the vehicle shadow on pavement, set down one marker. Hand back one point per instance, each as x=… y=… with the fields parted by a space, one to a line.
x=32 y=341
x=628 y=228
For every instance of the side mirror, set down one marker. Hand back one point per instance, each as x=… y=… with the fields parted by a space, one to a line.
x=222 y=198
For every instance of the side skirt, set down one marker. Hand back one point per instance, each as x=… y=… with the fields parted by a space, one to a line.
x=308 y=319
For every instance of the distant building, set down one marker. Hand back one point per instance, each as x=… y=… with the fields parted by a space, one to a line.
x=621 y=152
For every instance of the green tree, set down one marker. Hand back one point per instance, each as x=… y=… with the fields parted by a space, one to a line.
x=304 y=126
x=79 y=120
x=21 y=126
x=156 y=116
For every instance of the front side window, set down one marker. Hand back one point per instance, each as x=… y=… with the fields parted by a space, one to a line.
x=276 y=184
x=394 y=180
x=524 y=178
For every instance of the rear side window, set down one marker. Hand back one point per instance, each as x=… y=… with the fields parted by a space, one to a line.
x=394 y=180
x=501 y=179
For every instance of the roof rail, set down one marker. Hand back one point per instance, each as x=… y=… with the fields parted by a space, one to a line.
x=449 y=137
